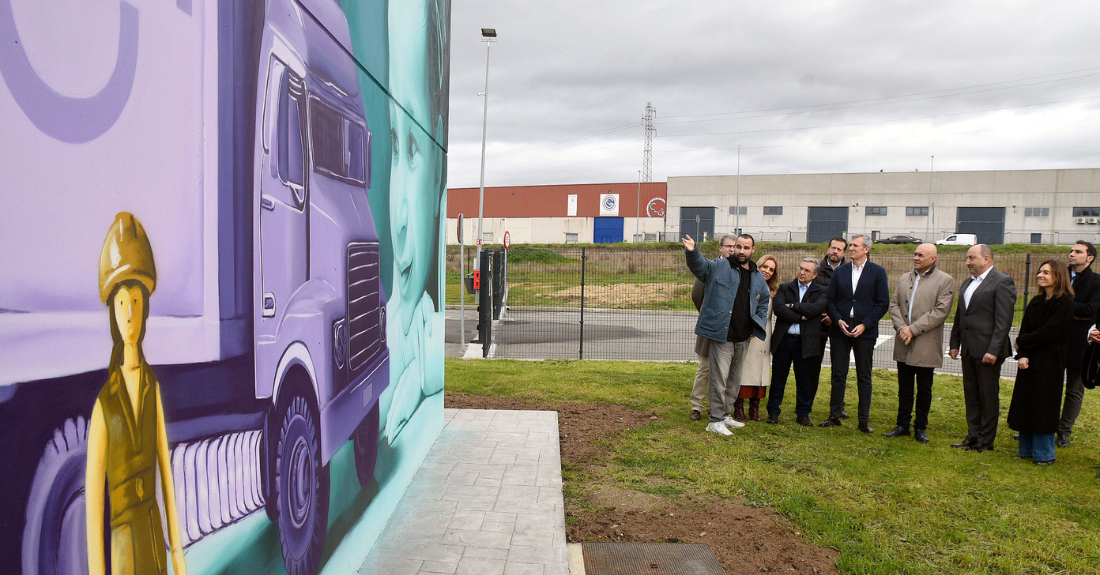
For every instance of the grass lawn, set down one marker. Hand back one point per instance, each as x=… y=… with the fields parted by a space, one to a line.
x=888 y=505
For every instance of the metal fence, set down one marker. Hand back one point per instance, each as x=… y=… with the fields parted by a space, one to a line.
x=635 y=304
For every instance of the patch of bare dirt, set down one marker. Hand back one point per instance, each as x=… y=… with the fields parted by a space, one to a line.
x=744 y=539
x=623 y=294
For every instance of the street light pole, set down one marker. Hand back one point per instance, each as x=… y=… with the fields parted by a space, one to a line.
x=737 y=218
x=487 y=36
x=928 y=222
x=638 y=209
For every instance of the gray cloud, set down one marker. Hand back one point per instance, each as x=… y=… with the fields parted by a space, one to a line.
x=801 y=86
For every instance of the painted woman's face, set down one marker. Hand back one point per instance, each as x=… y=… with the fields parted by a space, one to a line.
x=129 y=304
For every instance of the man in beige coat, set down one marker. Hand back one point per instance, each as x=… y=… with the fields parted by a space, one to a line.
x=919 y=309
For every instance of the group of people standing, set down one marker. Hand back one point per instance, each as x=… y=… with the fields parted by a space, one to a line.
x=752 y=330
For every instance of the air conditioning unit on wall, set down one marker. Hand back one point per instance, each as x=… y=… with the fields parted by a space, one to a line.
x=1092 y=220
x=1080 y=220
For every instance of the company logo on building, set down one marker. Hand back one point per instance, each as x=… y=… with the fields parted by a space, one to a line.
x=609 y=204
x=655 y=208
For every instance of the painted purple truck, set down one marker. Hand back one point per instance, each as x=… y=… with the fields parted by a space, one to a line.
x=236 y=132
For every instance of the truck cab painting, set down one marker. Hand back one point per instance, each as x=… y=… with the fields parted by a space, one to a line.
x=243 y=145
x=320 y=353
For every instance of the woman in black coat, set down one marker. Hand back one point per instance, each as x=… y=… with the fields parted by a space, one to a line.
x=1037 y=396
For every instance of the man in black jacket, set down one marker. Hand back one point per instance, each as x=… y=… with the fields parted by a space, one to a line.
x=1086 y=301
x=834 y=258
x=798 y=307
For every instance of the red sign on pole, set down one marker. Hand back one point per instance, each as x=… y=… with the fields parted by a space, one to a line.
x=507 y=240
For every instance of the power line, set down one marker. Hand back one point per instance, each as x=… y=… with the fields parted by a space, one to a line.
x=917 y=96
x=870 y=122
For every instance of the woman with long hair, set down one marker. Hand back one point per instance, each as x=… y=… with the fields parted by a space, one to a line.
x=1040 y=351
x=127 y=443
x=756 y=376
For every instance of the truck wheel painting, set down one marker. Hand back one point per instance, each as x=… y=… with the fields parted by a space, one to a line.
x=294 y=346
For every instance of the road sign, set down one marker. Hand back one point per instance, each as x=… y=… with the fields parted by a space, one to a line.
x=479 y=242
x=507 y=240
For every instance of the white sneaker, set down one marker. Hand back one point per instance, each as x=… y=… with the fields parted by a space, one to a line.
x=717 y=427
x=732 y=423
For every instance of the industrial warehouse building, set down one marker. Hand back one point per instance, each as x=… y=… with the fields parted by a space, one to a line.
x=1000 y=206
x=556 y=214
x=1006 y=206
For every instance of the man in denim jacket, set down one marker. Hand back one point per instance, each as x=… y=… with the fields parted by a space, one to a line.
x=735 y=308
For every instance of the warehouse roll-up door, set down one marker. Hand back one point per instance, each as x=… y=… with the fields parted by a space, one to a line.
x=987 y=223
x=607 y=231
x=697 y=223
x=826 y=222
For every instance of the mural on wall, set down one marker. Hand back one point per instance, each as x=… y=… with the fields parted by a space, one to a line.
x=275 y=172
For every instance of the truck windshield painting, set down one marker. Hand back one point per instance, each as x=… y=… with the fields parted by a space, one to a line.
x=224 y=290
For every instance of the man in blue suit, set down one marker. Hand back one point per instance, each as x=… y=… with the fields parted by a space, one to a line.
x=858 y=297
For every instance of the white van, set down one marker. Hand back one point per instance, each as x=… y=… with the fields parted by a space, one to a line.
x=958 y=240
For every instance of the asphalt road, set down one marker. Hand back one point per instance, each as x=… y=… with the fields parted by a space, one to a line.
x=645 y=335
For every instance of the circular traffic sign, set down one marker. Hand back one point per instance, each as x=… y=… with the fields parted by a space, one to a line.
x=507 y=240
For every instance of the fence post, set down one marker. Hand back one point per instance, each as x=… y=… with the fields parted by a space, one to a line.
x=485 y=304
x=583 y=260
x=1027 y=278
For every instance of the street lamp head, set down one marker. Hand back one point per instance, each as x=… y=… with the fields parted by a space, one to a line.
x=488 y=33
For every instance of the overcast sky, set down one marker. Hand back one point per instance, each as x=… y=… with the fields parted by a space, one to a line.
x=801 y=86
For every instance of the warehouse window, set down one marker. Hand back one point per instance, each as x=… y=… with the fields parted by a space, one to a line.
x=744 y=210
x=571 y=238
x=1086 y=212
x=1036 y=212
x=876 y=210
x=773 y=210
x=1037 y=238
x=487 y=237
x=916 y=211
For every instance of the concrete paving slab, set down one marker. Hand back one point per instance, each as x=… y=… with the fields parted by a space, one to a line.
x=487 y=500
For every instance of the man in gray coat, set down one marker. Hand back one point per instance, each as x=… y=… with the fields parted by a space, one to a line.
x=980 y=335
x=735 y=309
x=919 y=308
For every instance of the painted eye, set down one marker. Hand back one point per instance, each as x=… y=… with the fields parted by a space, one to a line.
x=414 y=149
x=396 y=146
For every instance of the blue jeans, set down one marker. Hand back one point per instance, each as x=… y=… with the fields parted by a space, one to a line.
x=1037 y=446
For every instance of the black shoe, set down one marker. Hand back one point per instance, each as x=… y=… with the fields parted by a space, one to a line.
x=1047 y=462
x=865 y=427
x=1063 y=440
x=897 y=432
x=831 y=422
x=773 y=418
x=980 y=448
x=844 y=415
x=804 y=421
x=964 y=444
x=1015 y=437
x=920 y=436
x=695 y=415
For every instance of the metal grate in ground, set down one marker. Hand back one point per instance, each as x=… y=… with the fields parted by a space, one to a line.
x=649 y=559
